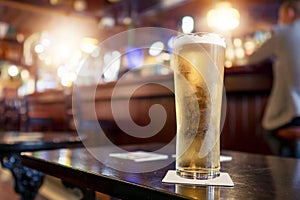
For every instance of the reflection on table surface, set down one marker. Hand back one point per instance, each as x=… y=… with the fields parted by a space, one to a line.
x=15 y=141
x=254 y=176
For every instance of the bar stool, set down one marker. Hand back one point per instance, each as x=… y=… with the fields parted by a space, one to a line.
x=290 y=137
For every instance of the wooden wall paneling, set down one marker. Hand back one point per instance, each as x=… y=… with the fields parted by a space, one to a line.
x=247 y=94
x=242 y=129
x=144 y=95
x=45 y=111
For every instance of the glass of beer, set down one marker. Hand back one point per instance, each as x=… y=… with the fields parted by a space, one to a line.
x=198 y=62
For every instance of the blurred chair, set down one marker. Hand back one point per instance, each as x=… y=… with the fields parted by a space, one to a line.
x=11 y=105
x=290 y=140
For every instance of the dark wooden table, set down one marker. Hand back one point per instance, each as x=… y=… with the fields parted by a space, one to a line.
x=28 y=181
x=255 y=176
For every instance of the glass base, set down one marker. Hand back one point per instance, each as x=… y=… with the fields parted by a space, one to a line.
x=198 y=175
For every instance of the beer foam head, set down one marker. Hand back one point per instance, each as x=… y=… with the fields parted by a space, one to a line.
x=204 y=38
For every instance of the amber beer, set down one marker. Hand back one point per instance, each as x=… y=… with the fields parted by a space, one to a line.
x=198 y=62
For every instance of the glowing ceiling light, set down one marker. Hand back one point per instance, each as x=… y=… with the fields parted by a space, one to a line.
x=20 y=37
x=156 y=48
x=60 y=71
x=25 y=74
x=88 y=45
x=237 y=42
x=66 y=82
x=79 y=5
x=223 y=17
x=64 y=51
x=187 y=24
x=45 y=39
x=39 y=48
x=55 y=2
x=112 y=66
x=3 y=29
x=106 y=21
x=13 y=70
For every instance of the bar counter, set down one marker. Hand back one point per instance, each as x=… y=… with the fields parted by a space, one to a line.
x=254 y=176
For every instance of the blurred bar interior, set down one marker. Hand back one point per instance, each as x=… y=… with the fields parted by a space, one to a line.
x=44 y=42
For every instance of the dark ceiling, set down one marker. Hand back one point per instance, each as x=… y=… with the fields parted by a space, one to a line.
x=29 y=16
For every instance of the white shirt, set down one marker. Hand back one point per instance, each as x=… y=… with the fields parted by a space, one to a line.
x=284 y=100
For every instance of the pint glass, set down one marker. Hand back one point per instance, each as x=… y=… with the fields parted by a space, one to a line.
x=198 y=62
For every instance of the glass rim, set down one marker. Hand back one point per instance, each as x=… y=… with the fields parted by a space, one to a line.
x=197 y=37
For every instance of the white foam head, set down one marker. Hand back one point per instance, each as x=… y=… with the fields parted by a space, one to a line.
x=204 y=38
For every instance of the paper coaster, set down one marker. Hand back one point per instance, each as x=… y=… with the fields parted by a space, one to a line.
x=223 y=180
x=139 y=156
x=225 y=158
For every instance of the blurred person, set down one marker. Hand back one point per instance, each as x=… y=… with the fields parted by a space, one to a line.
x=283 y=107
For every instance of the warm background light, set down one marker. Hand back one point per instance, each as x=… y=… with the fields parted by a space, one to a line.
x=13 y=70
x=156 y=48
x=88 y=45
x=187 y=24
x=223 y=17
